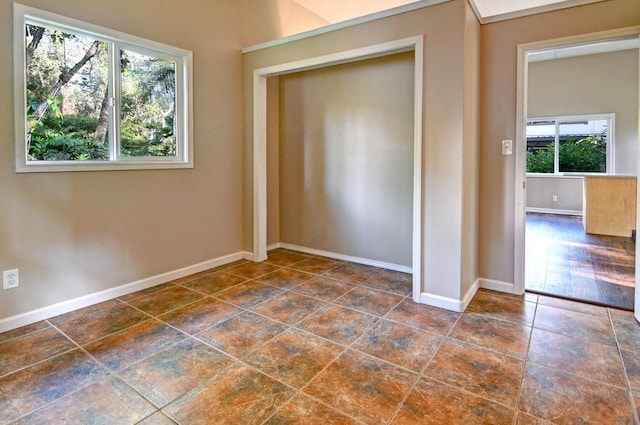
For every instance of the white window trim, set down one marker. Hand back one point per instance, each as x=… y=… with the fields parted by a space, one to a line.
x=184 y=95
x=611 y=117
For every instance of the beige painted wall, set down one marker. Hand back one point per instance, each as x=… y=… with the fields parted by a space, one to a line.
x=73 y=234
x=445 y=196
x=540 y=192
x=498 y=115
x=346 y=159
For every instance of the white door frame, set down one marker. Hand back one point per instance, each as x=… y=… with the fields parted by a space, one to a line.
x=260 y=76
x=520 y=146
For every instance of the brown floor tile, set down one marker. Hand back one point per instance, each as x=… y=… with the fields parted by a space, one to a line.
x=636 y=398
x=434 y=403
x=572 y=305
x=285 y=278
x=97 y=321
x=631 y=360
x=231 y=265
x=214 y=282
x=239 y=395
x=242 y=334
x=136 y=343
x=338 y=324
x=109 y=401
x=524 y=419
x=399 y=344
x=200 y=315
x=304 y=410
x=622 y=315
x=289 y=307
x=163 y=301
x=32 y=388
x=323 y=288
x=391 y=281
x=284 y=257
x=248 y=294
x=157 y=418
x=567 y=399
x=173 y=372
x=579 y=325
x=22 y=331
x=252 y=270
x=627 y=333
x=32 y=348
x=579 y=357
x=351 y=272
x=510 y=338
x=502 y=307
x=424 y=317
x=294 y=357
x=363 y=387
x=369 y=300
x=134 y=295
x=483 y=372
x=316 y=265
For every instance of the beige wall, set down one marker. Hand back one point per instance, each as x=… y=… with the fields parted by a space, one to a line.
x=73 y=234
x=568 y=190
x=445 y=196
x=498 y=115
x=346 y=159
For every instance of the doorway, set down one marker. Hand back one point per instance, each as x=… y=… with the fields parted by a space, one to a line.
x=559 y=257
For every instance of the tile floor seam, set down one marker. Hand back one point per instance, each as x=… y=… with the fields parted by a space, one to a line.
x=524 y=369
x=630 y=390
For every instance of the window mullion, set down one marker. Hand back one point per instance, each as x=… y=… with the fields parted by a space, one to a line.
x=556 y=149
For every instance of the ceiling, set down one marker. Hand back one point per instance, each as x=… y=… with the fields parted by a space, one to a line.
x=334 y=11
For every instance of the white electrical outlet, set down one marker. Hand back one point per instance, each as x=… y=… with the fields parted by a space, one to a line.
x=10 y=279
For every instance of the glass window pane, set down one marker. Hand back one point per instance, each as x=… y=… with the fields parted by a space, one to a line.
x=540 y=146
x=583 y=146
x=67 y=103
x=147 y=105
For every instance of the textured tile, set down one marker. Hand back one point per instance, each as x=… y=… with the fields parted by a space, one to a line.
x=323 y=288
x=304 y=410
x=157 y=418
x=109 y=401
x=627 y=333
x=32 y=348
x=294 y=357
x=363 y=387
x=391 y=281
x=524 y=419
x=351 y=272
x=214 y=282
x=483 y=372
x=502 y=307
x=563 y=398
x=289 y=307
x=631 y=360
x=200 y=315
x=97 y=321
x=239 y=395
x=621 y=315
x=252 y=270
x=173 y=372
x=579 y=325
x=338 y=324
x=433 y=403
x=284 y=257
x=248 y=294
x=125 y=348
x=369 y=300
x=242 y=334
x=572 y=306
x=163 y=301
x=573 y=355
x=510 y=338
x=424 y=317
x=231 y=265
x=32 y=388
x=134 y=295
x=399 y=344
x=285 y=278
x=316 y=265
x=22 y=331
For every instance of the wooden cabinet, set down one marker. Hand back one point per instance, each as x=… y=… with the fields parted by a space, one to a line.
x=609 y=205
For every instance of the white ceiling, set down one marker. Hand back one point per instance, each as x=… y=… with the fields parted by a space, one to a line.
x=334 y=11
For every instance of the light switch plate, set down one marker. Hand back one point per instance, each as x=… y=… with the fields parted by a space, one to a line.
x=507 y=147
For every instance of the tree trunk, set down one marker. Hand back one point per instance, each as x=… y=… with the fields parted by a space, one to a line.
x=103 y=120
x=37 y=33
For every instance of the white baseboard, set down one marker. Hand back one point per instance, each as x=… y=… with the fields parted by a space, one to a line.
x=359 y=260
x=497 y=285
x=48 y=312
x=554 y=211
x=450 y=303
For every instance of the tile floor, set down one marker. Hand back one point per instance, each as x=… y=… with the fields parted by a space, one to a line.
x=301 y=339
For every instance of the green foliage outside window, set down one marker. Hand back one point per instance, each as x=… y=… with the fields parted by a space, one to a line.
x=588 y=155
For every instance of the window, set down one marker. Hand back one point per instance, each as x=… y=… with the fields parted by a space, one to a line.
x=578 y=144
x=90 y=98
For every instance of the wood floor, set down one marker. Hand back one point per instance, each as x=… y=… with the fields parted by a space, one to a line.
x=564 y=261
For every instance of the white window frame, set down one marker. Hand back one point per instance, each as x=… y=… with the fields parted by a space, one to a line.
x=610 y=160
x=116 y=40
